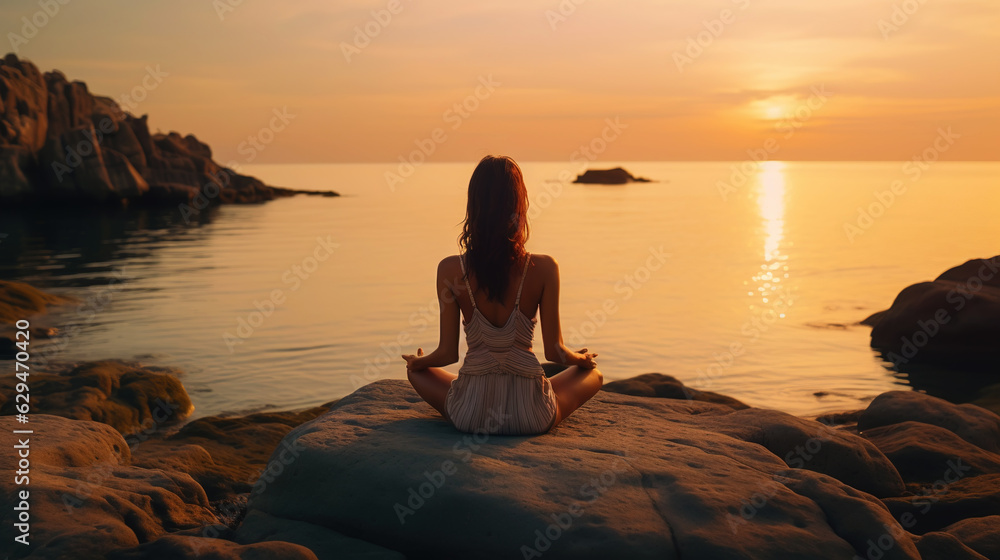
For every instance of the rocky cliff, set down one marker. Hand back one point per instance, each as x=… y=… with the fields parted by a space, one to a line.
x=60 y=143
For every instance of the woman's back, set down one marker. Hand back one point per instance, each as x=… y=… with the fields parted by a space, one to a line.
x=498 y=287
x=507 y=345
x=501 y=386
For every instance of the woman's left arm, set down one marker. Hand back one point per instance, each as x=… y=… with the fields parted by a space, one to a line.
x=447 y=350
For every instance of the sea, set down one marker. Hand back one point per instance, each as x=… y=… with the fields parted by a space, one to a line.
x=744 y=278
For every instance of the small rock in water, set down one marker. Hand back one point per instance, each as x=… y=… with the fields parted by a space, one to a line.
x=616 y=176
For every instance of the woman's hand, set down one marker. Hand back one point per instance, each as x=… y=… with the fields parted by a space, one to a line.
x=587 y=359
x=411 y=360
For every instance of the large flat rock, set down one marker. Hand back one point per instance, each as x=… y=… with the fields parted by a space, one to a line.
x=623 y=477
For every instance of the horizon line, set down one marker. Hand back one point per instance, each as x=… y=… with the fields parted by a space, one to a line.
x=611 y=162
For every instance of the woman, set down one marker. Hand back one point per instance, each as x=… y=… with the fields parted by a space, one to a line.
x=497 y=286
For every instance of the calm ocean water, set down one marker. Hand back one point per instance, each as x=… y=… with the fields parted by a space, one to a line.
x=745 y=283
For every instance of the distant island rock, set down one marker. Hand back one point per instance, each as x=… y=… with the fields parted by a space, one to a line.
x=60 y=143
x=616 y=176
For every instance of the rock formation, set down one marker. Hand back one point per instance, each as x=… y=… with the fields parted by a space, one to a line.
x=84 y=497
x=225 y=454
x=616 y=176
x=667 y=387
x=639 y=477
x=21 y=301
x=60 y=143
x=128 y=396
x=155 y=492
x=953 y=321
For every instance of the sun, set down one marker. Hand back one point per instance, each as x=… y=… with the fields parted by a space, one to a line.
x=774 y=112
x=772 y=108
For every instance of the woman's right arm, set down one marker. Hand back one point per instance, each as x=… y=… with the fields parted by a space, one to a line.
x=555 y=350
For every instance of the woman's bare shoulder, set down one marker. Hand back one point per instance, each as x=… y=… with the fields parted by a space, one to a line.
x=545 y=260
x=546 y=264
x=450 y=265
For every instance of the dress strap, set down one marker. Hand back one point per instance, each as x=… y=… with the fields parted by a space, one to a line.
x=527 y=259
x=466 y=277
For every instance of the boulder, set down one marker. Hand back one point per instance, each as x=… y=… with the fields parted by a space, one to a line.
x=808 y=444
x=942 y=546
x=973 y=424
x=663 y=386
x=950 y=499
x=225 y=454
x=179 y=547
x=953 y=321
x=85 y=498
x=130 y=397
x=624 y=476
x=988 y=397
x=616 y=176
x=22 y=301
x=921 y=452
x=981 y=534
x=258 y=526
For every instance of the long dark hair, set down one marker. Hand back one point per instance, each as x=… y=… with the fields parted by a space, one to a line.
x=496 y=224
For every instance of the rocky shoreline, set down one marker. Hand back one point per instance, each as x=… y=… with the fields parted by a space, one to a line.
x=60 y=144
x=648 y=468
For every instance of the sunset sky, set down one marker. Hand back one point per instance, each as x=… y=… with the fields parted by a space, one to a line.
x=559 y=70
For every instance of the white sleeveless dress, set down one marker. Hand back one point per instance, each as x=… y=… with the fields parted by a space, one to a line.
x=501 y=387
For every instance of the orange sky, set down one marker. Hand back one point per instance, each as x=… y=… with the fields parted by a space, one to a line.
x=558 y=68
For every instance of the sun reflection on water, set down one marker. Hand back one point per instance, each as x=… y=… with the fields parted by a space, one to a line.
x=774 y=269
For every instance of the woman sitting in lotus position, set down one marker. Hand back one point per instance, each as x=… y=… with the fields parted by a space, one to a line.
x=497 y=287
